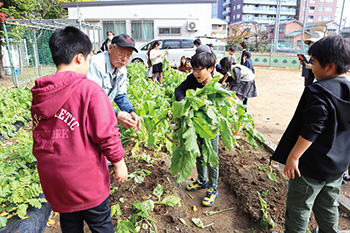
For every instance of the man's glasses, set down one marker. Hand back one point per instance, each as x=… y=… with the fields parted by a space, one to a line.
x=123 y=55
x=198 y=70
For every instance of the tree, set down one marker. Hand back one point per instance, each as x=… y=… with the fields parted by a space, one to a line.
x=260 y=36
x=30 y=9
x=321 y=27
x=237 y=33
x=3 y=17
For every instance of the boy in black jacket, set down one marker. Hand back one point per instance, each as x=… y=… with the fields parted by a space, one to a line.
x=316 y=145
x=203 y=65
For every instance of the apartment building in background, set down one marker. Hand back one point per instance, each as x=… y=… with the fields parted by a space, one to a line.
x=261 y=11
x=317 y=10
x=264 y=11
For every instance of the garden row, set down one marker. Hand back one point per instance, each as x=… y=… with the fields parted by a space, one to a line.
x=19 y=181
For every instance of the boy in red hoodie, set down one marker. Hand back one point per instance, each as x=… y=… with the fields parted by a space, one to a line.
x=74 y=130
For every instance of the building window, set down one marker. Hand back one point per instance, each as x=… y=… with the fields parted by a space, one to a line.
x=328 y=9
x=238 y=6
x=118 y=27
x=169 y=31
x=326 y=18
x=310 y=18
x=233 y=17
x=311 y=9
x=281 y=30
x=329 y=0
x=320 y=9
x=319 y=18
x=142 y=30
x=238 y=16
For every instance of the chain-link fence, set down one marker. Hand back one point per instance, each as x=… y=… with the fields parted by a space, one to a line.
x=27 y=55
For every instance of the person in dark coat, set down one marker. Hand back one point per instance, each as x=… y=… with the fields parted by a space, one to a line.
x=107 y=42
x=314 y=147
x=244 y=50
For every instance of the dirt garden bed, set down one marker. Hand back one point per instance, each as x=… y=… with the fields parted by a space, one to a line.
x=243 y=172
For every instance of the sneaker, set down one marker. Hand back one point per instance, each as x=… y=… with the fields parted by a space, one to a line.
x=346 y=177
x=210 y=198
x=197 y=185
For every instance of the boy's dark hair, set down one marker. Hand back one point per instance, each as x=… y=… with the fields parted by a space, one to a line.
x=109 y=32
x=197 y=42
x=248 y=55
x=231 y=49
x=203 y=59
x=243 y=44
x=225 y=65
x=66 y=43
x=332 y=49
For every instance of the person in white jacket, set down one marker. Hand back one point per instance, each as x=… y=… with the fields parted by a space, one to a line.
x=156 y=57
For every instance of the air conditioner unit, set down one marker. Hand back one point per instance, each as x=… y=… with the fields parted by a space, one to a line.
x=192 y=25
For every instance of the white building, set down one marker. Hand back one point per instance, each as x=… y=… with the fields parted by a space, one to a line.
x=145 y=20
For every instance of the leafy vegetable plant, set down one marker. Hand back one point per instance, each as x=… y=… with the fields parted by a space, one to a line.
x=19 y=179
x=14 y=108
x=201 y=115
x=266 y=220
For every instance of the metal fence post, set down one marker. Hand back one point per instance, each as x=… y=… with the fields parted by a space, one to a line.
x=271 y=53
x=36 y=53
x=13 y=70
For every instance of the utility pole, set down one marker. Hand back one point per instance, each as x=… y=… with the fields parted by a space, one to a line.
x=277 y=23
x=304 y=23
x=341 y=17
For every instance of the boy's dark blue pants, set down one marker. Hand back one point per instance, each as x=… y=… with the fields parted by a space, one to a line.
x=98 y=219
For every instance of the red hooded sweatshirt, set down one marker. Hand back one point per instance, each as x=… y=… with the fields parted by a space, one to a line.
x=74 y=130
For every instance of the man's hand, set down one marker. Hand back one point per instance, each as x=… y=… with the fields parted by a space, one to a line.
x=120 y=171
x=126 y=120
x=136 y=118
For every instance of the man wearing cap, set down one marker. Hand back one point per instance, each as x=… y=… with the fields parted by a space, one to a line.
x=108 y=70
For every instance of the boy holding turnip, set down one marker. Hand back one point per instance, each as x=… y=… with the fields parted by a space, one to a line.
x=74 y=131
x=315 y=146
x=203 y=64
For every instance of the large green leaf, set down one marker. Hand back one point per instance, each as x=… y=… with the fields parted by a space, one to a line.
x=190 y=138
x=179 y=108
x=35 y=202
x=149 y=107
x=3 y=221
x=115 y=209
x=125 y=226
x=171 y=201
x=226 y=134
x=182 y=163
x=176 y=161
x=22 y=210
x=202 y=128
x=209 y=153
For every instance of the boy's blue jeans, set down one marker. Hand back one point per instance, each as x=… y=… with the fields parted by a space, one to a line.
x=306 y=194
x=213 y=172
x=98 y=219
